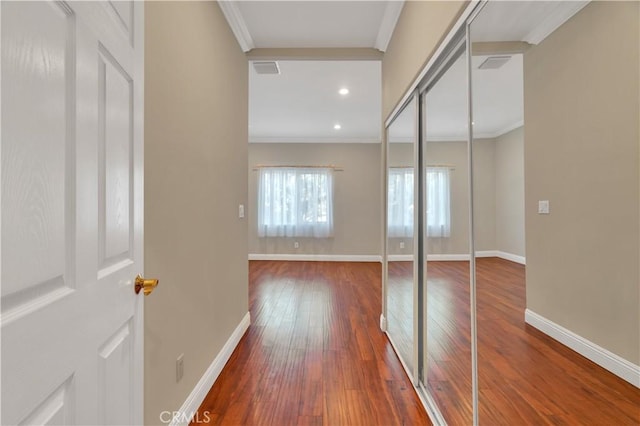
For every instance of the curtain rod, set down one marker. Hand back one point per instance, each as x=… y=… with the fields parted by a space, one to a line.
x=448 y=166
x=330 y=166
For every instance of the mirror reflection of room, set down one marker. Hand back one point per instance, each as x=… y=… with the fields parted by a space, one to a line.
x=517 y=106
x=401 y=216
x=448 y=334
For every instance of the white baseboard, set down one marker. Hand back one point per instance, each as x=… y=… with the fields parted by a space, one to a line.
x=601 y=356
x=318 y=257
x=441 y=257
x=400 y=257
x=479 y=253
x=377 y=258
x=197 y=395
x=487 y=253
x=383 y=323
x=447 y=257
x=512 y=257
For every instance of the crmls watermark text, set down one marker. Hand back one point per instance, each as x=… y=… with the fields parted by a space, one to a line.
x=184 y=418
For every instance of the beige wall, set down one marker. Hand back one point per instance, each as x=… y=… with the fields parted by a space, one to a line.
x=195 y=177
x=581 y=90
x=357 y=202
x=421 y=26
x=484 y=194
x=509 y=193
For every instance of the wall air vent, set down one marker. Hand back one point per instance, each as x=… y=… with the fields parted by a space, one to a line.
x=266 y=67
x=494 y=62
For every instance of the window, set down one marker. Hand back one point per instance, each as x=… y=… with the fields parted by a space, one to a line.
x=438 y=203
x=400 y=202
x=295 y=202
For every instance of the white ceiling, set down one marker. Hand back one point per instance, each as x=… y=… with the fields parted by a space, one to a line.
x=302 y=103
x=529 y=21
x=498 y=104
x=312 y=24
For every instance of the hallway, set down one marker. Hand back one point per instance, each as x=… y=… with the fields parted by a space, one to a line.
x=314 y=353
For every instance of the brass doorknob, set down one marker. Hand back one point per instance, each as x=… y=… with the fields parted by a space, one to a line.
x=146 y=285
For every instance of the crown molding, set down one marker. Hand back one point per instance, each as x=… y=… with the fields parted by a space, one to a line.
x=312 y=140
x=238 y=25
x=485 y=135
x=509 y=128
x=315 y=54
x=388 y=24
x=564 y=11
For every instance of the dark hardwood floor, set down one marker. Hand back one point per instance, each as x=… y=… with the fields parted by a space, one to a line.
x=314 y=354
x=449 y=340
x=524 y=376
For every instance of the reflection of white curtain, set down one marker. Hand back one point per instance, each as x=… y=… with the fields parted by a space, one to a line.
x=438 y=203
x=295 y=202
x=400 y=203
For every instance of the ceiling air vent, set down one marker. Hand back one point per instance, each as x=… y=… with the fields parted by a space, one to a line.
x=266 y=67
x=494 y=62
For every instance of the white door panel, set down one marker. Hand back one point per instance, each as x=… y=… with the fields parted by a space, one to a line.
x=72 y=209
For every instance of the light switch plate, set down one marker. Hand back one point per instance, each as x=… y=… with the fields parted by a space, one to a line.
x=241 y=211
x=543 y=207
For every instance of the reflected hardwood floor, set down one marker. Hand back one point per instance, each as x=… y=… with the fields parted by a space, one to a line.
x=400 y=309
x=449 y=340
x=314 y=353
x=525 y=377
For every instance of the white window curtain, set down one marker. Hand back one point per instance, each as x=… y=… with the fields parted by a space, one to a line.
x=295 y=202
x=400 y=202
x=438 y=203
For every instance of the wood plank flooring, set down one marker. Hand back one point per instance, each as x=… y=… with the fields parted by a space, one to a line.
x=525 y=377
x=449 y=340
x=314 y=355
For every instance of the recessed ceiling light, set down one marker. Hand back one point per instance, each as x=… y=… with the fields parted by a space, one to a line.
x=344 y=91
x=337 y=126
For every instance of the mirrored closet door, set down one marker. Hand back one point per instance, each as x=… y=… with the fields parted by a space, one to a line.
x=456 y=296
x=401 y=235
x=447 y=341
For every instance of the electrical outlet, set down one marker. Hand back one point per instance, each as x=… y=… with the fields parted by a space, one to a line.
x=296 y=245
x=179 y=368
x=401 y=244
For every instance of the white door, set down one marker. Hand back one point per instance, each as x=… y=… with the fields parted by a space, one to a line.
x=72 y=212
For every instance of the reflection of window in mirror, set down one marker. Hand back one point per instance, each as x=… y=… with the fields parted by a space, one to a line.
x=400 y=205
x=438 y=202
x=400 y=202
